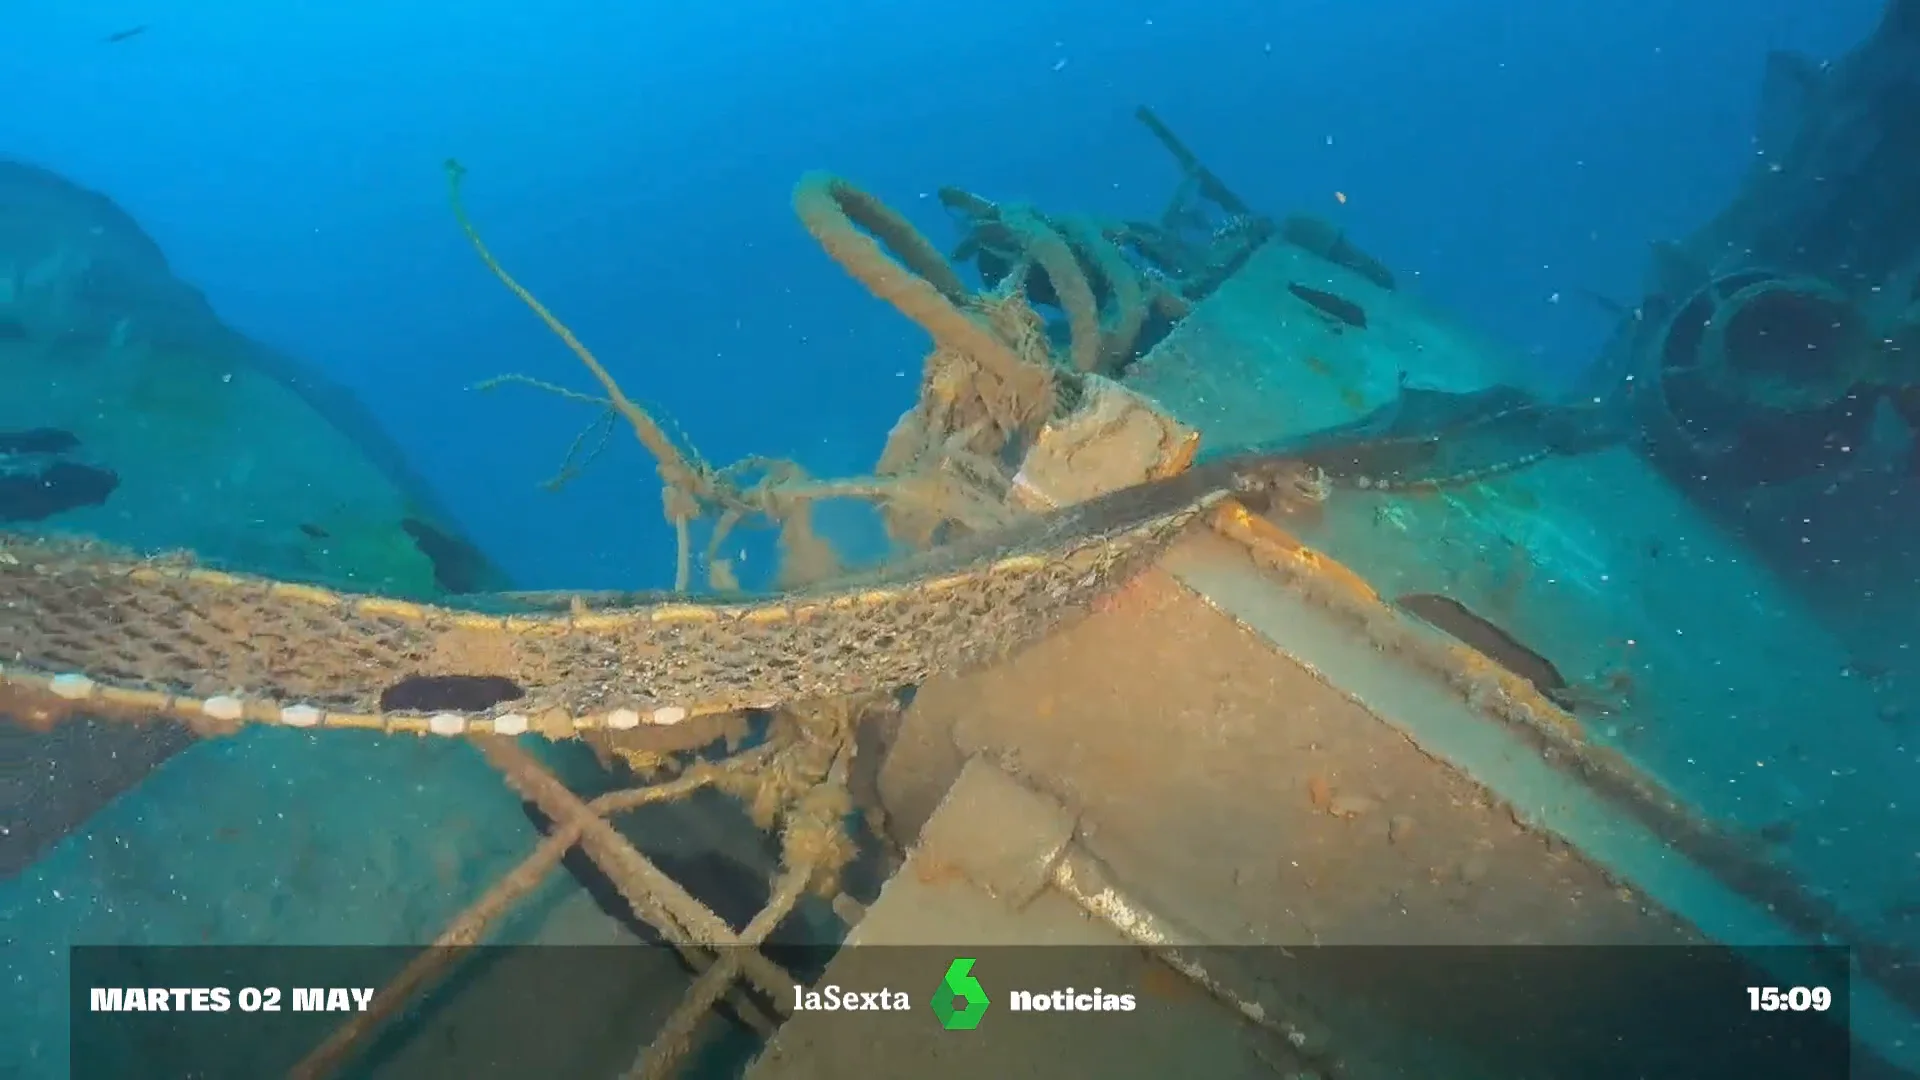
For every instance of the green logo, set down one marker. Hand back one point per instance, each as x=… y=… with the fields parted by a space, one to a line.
x=960 y=1002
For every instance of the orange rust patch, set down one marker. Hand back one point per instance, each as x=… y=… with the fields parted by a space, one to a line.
x=936 y=872
x=1161 y=981
x=1271 y=543
x=37 y=712
x=1319 y=792
x=1180 y=458
x=1540 y=708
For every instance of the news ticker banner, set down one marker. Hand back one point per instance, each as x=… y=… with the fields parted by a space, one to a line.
x=1562 y=1011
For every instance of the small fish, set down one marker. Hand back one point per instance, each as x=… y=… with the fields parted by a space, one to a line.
x=128 y=34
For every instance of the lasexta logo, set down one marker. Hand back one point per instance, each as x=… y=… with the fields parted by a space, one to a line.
x=960 y=1002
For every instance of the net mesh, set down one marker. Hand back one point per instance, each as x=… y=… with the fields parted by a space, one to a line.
x=90 y=629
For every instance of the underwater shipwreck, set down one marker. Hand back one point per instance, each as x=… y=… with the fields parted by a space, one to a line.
x=1240 y=598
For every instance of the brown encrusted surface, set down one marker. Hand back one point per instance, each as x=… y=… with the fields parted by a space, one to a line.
x=1235 y=789
x=1234 y=793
